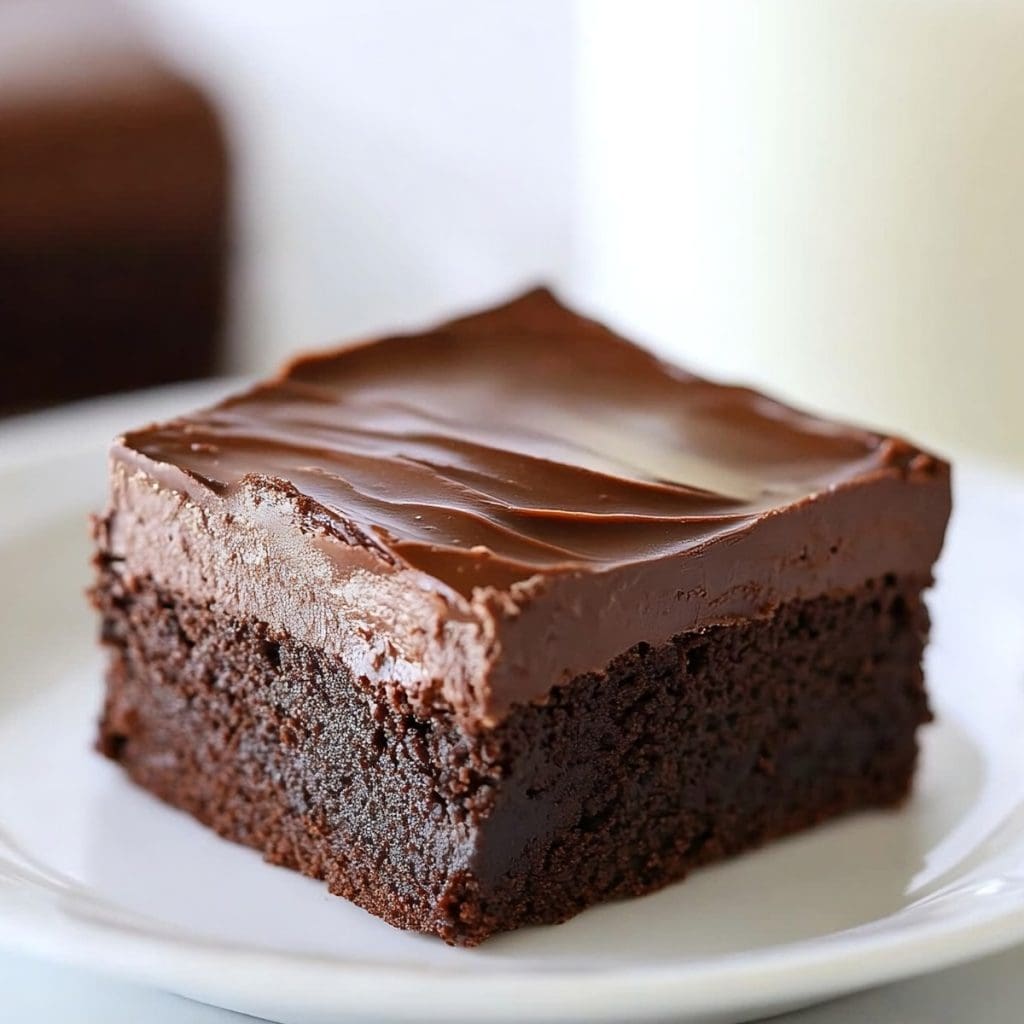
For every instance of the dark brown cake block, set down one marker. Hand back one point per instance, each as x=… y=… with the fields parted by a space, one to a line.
x=113 y=181
x=487 y=625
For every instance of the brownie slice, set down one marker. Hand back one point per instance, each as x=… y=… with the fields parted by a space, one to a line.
x=113 y=209
x=489 y=624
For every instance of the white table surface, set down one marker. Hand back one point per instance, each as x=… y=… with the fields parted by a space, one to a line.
x=990 y=991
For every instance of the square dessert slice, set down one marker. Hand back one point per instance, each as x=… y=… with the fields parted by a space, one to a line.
x=489 y=624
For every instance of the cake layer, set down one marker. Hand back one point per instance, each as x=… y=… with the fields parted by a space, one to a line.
x=677 y=754
x=488 y=510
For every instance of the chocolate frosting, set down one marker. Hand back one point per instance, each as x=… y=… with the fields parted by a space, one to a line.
x=528 y=480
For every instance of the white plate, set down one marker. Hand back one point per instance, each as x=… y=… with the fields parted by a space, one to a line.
x=95 y=872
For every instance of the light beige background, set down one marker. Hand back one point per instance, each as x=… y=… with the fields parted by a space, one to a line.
x=823 y=197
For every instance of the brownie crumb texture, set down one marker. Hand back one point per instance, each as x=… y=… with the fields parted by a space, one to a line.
x=619 y=783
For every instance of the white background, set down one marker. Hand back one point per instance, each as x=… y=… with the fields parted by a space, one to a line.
x=819 y=196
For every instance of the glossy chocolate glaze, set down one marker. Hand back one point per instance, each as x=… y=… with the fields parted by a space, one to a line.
x=548 y=489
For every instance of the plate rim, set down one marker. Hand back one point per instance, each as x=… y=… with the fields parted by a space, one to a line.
x=784 y=977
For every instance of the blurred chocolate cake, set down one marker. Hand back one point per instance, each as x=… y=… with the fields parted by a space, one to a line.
x=113 y=184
